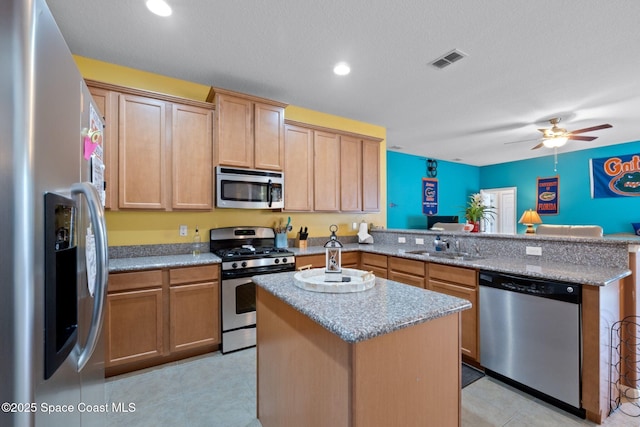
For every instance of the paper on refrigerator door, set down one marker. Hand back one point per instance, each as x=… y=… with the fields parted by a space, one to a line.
x=90 y=256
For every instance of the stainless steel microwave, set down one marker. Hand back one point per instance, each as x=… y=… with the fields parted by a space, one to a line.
x=249 y=188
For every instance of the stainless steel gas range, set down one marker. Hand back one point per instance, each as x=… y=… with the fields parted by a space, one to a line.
x=245 y=252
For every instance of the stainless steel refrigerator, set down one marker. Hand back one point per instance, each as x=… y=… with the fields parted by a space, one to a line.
x=53 y=246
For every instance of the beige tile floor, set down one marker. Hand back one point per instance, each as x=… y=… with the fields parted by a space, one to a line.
x=220 y=391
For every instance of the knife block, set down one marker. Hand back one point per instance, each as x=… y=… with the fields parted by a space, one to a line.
x=302 y=244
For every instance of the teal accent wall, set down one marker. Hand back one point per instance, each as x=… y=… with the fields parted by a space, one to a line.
x=457 y=181
x=404 y=189
x=614 y=214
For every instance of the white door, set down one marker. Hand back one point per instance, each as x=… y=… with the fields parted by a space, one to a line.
x=503 y=201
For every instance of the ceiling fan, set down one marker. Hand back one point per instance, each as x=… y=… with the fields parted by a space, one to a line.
x=556 y=136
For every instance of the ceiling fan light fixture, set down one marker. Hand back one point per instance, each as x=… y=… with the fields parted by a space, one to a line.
x=555 y=142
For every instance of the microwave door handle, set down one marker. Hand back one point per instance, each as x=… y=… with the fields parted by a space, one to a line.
x=269 y=195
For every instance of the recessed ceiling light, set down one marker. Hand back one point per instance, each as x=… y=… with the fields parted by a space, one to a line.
x=159 y=7
x=342 y=69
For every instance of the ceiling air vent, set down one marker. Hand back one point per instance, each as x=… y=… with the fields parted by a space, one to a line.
x=448 y=59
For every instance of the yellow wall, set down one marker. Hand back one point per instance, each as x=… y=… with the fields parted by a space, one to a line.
x=149 y=227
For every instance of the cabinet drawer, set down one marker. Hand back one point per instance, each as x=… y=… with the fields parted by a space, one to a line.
x=316 y=261
x=193 y=274
x=458 y=275
x=351 y=259
x=408 y=279
x=375 y=260
x=410 y=266
x=134 y=280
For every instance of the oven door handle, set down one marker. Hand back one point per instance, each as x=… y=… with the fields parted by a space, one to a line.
x=269 y=195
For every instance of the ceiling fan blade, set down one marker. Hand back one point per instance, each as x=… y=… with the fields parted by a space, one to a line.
x=522 y=140
x=591 y=129
x=537 y=146
x=582 y=138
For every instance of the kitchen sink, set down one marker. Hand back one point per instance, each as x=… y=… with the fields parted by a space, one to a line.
x=459 y=256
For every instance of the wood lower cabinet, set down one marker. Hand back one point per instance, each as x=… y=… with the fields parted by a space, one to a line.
x=194 y=298
x=349 y=260
x=409 y=271
x=157 y=316
x=374 y=262
x=463 y=283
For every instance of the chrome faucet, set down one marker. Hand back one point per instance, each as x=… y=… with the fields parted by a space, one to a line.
x=440 y=244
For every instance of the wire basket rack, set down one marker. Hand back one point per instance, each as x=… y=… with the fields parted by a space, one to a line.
x=624 y=373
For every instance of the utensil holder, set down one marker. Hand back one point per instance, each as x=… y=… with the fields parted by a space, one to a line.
x=281 y=240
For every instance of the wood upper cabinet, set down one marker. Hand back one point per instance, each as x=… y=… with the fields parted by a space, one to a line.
x=326 y=166
x=158 y=149
x=330 y=171
x=298 y=165
x=370 y=176
x=142 y=140
x=107 y=103
x=249 y=130
x=192 y=157
x=462 y=283
x=350 y=174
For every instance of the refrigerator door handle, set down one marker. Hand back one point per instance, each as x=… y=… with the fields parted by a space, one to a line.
x=96 y=214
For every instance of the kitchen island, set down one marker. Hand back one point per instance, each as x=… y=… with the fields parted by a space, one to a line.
x=386 y=356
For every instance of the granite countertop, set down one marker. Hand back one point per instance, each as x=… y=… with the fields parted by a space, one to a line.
x=561 y=271
x=117 y=265
x=360 y=316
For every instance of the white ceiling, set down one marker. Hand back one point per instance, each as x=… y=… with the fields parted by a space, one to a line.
x=527 y=61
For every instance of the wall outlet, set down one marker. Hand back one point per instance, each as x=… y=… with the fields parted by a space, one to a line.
x=402 y=240
x=534 y=250
x=183 y=230
x=419 y=241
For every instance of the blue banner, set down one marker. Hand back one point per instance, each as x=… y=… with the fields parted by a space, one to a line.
x=617 y=176
x=548 y=201
x=430 y=196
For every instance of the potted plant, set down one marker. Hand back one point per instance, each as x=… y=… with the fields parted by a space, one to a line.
x=475 y=211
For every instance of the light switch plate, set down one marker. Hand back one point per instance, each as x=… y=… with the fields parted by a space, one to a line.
x=419 y=241
x=402 y=240
x=534 y=250
x=183 y=230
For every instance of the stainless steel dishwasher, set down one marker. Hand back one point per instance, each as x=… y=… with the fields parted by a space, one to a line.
x=530 y=336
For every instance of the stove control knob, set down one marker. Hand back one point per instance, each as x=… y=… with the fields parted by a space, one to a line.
x=234 y=265
x=244 y=264
x=284 y=260
x=277 y=261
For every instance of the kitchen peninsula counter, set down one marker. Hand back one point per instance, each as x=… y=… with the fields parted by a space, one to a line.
x=389 y=355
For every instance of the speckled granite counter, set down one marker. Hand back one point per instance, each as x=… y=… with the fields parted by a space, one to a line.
x=587 y=274
x=117 y=265
x=359 y=316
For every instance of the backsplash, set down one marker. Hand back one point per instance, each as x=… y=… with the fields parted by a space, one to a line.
x=585 y=251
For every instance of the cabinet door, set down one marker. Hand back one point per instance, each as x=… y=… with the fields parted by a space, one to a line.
x=374 y=262
x=133 y=326
x=142 y=174
x=409 y=271
x=350 y=174
x=298 y=164
x=468 y=319
x=192 y=157
x=316 y=261
x=370 y=176
x=234 y=131
x=107 y=102
x=195 y=315
x=268 y=122
x=326 y=167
